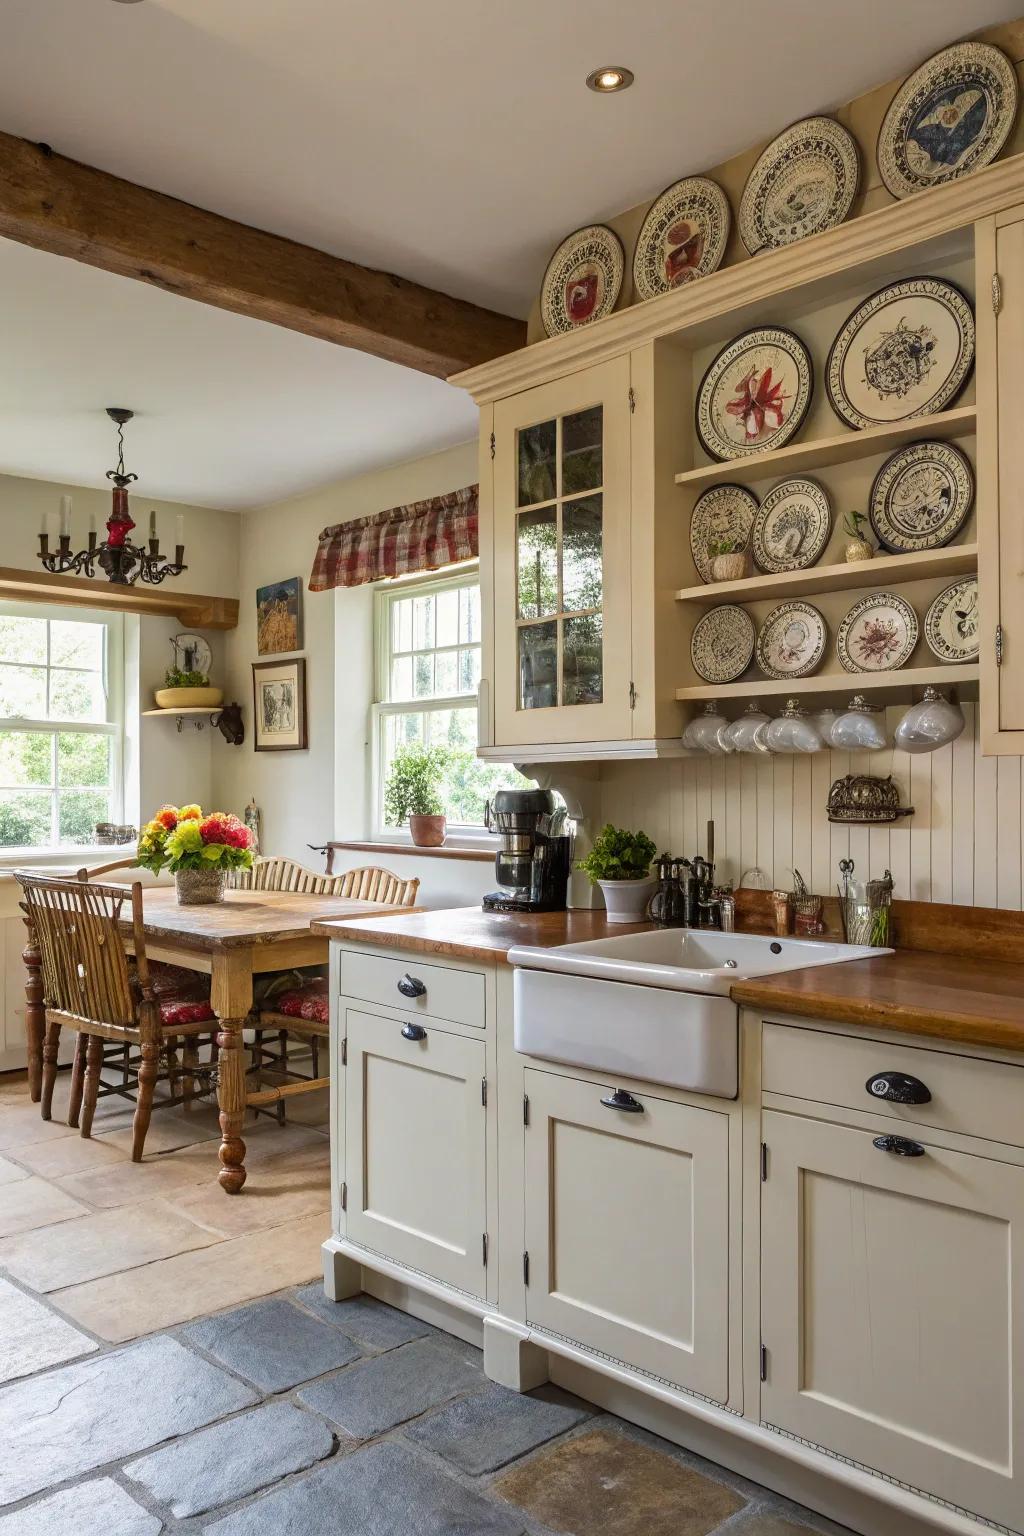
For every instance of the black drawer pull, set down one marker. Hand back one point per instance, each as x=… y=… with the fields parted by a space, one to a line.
x=620 y=1099
x=900 y=1146
x=414 y=1032
x=411 y=986
x=898 y=1088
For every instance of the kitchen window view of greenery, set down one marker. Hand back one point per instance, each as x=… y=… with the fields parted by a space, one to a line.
x=430 y=670
x=60 y=727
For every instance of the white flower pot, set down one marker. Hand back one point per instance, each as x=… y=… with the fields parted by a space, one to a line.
x=626 y=900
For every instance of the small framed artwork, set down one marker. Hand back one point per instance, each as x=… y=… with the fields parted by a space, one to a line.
x=279 y=617
x=279 y=705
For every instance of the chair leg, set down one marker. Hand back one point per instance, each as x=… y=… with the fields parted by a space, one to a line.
x=316 y=1055
x=77 y=1080
x=144 y=1103
x=51 y=1048
x=189 y=1060
x=257 y=1050
x=173 y=1071
x=93 y=1065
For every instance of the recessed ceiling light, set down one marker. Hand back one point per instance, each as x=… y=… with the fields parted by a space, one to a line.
x=613 y=77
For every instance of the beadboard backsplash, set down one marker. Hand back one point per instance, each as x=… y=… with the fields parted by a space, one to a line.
x=963 y=844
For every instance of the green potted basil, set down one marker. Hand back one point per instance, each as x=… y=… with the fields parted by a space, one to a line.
x=413 y=793
x=620 y=863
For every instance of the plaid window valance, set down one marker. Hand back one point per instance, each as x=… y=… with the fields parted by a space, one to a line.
x=419 y=537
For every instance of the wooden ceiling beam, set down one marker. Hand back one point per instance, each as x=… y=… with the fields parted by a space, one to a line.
x=70 y=209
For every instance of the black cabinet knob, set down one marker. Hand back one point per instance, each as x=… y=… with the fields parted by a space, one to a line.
x=898 y=1088
x=411 y=986
x=899 y=1146
x=413 y=1032
x=624 y=1101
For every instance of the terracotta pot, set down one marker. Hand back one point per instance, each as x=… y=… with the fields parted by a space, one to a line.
x=732 y=567
x=199 y=887
x=428 y=831
x=858 y=549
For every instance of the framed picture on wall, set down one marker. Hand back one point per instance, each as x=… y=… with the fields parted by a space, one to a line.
x=279 y=617
x=279 y=705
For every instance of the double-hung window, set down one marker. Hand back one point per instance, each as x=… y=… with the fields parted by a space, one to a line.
x=61 y=725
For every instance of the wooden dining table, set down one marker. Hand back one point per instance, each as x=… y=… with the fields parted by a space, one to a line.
x=245 y=935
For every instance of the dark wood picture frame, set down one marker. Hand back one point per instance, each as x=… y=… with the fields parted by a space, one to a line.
x=301 y=742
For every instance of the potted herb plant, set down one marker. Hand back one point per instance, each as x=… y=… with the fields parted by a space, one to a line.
x=730 y=559
x=620 y=863
x=857 y=547
x=187 y=690
x=413 y=793
x=198 y=850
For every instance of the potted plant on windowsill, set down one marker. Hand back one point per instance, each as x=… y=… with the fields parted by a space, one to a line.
x=620 y=863
x=198 y=850
x=413 y=794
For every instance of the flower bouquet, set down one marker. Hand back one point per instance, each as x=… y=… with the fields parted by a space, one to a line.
x=197 y=849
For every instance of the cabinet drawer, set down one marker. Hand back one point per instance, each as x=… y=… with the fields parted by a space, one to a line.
x=446 y=993
x=968 y=1096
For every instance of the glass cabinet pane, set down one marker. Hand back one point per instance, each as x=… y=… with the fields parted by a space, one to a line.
x=538 y=666
x=581 y=554
x=581 y=451
x=537 y=563
x=537 y=464
x=582 y=660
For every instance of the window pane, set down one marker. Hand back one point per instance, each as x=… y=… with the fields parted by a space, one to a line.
x=401 y=678
x=25 y=818
x=537 y=562
x=423 y=676
x=401 y=624
x=447 y=618
x=469 y=613
x=423 y=623
x=79 y=810
x=23 y=692
x=581 y=451
x=22 y=640
x=538 y=666
x=446 y=674
x=83 y=761
x=537 y=463
x=77 y=696
x=76 y=645
x=26 y=757
x=469 y=671
x=581 y=554
x=582 y=669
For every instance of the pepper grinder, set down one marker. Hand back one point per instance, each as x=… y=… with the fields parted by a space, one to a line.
x=667 y=906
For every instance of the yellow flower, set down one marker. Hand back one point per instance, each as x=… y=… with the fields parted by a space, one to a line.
x=190 y=813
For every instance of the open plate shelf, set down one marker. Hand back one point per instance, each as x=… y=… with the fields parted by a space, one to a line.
x=954 y=560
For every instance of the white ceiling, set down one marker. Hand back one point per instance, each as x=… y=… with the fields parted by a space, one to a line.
x=231 y=412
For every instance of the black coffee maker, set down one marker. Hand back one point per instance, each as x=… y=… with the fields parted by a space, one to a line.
x=533 y=863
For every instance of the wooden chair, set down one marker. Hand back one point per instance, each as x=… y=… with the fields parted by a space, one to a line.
x=88 y=985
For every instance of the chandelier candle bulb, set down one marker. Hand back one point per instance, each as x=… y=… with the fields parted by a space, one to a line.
x=65 y=517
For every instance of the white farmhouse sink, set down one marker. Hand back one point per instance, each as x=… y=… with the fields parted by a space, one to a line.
x=653 y=1006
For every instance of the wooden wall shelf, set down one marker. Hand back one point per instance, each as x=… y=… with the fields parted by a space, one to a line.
x=193 y=610
x=954 y=560
x=847 y=683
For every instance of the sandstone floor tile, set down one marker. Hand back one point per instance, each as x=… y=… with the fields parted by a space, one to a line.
x=166 y=1133
x=606 y=1484
x=100 y=1508
x=367 y=1322
x=32 y=1337
x=68 y=1154
x=379 y=1393
x=488 y=1430
x=283 y=1189
x=100 y=1243
x=231 y=1460
x=14 y=1083
x=75 y=1419
x=22 y=1125
x=384 y=1490
x=35 y=1202
x=273 y=1344
x=192 y=1284
x=763 y=1522
x=10 y=1172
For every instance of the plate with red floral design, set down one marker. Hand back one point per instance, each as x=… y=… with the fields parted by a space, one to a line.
x=683 y=237
x=878 y=634
x=583 y=279
x=755 y=395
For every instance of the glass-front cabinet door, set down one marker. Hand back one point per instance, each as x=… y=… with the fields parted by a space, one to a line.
x=561 y=560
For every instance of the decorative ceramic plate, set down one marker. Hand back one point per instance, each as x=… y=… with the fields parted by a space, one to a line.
x=906 y=351
x=722 y=644
x=921 y=497
x=723 y=512
x=951 y=623
x=682 y=237
x=806 y=180
x=583 y=279
x=953 y=115
x=791 y=641
x=755 y=394
x=878 y=634
x=792 y=526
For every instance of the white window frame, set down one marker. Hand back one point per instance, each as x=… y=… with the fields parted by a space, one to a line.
x=113 y=727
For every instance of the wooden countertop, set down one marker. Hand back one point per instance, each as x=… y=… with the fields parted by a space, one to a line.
x=243 y=918
x=471 y=933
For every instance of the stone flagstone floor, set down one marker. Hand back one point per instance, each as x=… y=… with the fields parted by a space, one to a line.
x=152 y=1388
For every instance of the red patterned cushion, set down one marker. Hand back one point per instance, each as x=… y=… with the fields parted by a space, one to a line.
x=316 y=1008
x=175 y=1010
x=289 y=1003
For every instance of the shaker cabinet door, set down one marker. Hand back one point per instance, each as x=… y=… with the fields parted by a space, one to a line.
x=893 y=1309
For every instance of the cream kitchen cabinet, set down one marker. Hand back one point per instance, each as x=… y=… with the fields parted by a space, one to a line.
x=416 y=1144
x=627 y=1235
x=893 y=1306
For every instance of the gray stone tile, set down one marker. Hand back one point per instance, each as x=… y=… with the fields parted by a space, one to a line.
x=384 y=1490
x=231 y=1460
x=81 y=1416
x=101 y=1508
x=481 y=1433
x=367 y=1322
x=32 y=1337
x=272 y=1343
x=379 y=1393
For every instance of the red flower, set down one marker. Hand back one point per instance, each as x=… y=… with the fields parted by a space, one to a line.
x=219 y=828
x=167 y=816
x=758 y=404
